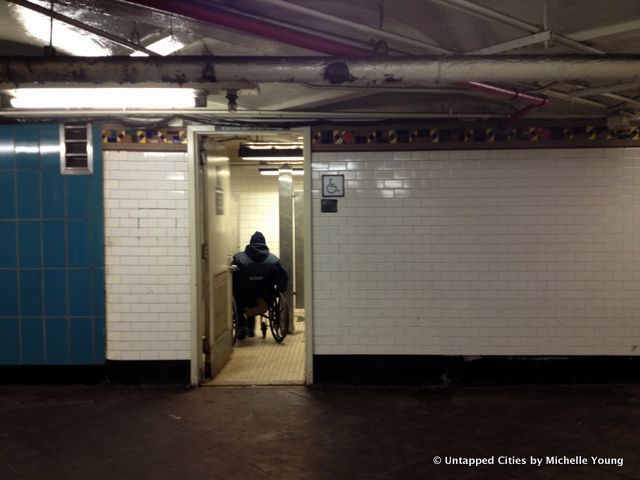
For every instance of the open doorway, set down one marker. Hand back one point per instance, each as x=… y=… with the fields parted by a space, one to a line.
x=247 y=182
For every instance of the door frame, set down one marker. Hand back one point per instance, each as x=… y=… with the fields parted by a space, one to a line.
x=195 y=234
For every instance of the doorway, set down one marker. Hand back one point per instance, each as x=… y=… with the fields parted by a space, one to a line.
x=246 y=182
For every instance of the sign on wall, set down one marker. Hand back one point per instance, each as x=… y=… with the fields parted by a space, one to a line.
x=333 y=185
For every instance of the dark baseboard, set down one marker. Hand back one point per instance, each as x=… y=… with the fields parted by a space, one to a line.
x=51 y=374
x=170 y=372
x=415 y=370
x=132 y=372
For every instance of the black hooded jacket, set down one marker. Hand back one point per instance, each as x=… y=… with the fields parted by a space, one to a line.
x=258 y=272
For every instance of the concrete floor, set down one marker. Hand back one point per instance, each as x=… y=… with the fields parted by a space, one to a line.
x=120 y=433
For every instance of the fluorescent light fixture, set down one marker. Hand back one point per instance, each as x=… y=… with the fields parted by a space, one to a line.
x=163 y=47
x=271 y=153
x=274 y=158
x=275 y=172
x=103 y=98
x=271 y=146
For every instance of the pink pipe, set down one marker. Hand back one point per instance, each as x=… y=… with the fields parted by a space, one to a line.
x=521 y=113
x=514 y=95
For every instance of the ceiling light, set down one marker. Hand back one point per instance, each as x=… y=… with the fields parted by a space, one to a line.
x=163 y=47
x=270 y=145
x=103 y=98
x=271 y=153
x=275 y=172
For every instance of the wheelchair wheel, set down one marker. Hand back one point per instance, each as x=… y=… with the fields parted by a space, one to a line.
x=234 y=322
x=279 y=318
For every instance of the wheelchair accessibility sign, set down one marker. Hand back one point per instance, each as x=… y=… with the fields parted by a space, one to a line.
x=333 y=185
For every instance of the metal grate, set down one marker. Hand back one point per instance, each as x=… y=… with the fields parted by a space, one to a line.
x=76 y=149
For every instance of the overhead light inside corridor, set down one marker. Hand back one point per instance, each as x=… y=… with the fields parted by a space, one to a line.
x=271 y=152
x=274 y=172
x=98 y=98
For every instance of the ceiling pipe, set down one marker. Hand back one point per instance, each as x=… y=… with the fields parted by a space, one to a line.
x=211 y=14
x=270 y=115
x=521 y=113
x=234 y=20
x=83 y=26
x=533 y=102
x=195 y=71
x=513 y=95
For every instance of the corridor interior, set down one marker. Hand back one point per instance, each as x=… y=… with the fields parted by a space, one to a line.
x=258 y=164
x=262 y=361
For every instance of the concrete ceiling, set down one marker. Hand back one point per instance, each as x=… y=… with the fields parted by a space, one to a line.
x=379 y=27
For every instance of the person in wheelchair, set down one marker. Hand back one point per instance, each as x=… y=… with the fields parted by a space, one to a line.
x=255 y=280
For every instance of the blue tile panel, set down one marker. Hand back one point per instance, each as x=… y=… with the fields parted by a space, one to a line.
x=52 y=306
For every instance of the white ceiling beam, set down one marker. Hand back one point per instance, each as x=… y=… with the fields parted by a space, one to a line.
x=599 y=32
x=318 y=98
x=514 y=44
x=298 y=28
x=621 y=87
x=620 y=98
x=578 y=100
x=299 y=9
x=489 y=14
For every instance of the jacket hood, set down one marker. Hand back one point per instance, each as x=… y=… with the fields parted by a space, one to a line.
x=258 y=252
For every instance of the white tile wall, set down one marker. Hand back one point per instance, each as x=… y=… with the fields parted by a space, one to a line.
x=479 y=253
x=147 y=256
x=257 y=197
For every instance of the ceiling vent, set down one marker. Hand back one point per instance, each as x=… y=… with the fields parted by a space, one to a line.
x=76 y=149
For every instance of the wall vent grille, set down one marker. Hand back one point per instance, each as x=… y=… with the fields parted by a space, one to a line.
x=76 y=149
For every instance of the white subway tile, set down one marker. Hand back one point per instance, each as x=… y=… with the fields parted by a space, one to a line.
x=499 y=245
x=145 y=296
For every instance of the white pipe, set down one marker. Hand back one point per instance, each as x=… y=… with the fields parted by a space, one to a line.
x=276 y=115
x=199 y=71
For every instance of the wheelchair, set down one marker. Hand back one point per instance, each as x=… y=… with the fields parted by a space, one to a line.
x=275 y=314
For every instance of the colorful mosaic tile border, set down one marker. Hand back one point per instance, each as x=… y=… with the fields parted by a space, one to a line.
x=434 y=136
x=140 y=137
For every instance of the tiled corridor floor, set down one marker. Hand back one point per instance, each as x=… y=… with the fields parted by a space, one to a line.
x=296 y=433
x=262 y=361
